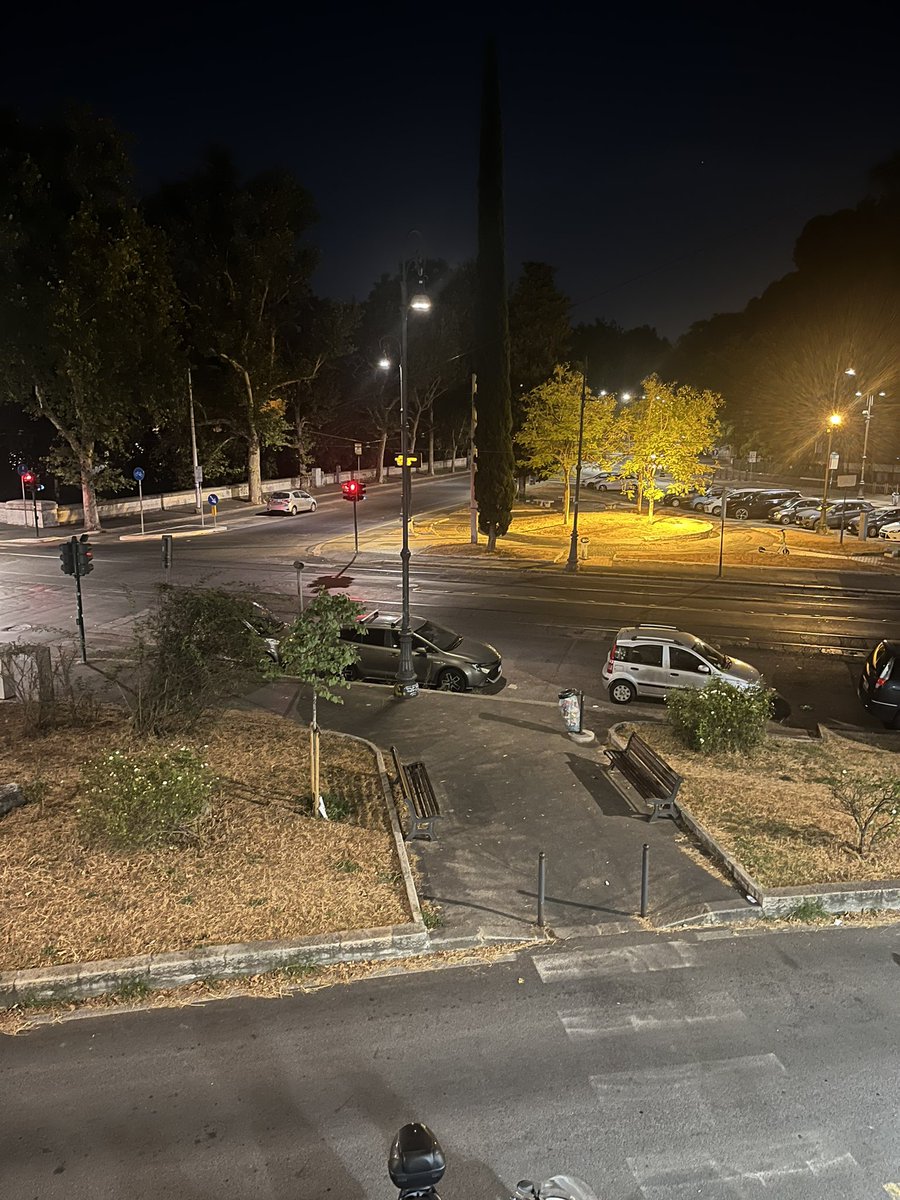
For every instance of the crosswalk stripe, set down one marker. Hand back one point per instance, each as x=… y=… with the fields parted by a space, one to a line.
x=648 y=956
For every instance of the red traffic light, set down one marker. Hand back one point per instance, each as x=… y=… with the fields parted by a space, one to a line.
x=28 y=477
x=350 y=489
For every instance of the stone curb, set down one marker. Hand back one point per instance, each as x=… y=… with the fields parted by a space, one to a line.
x=199 y=531
x=76 y=981
x=881 y=894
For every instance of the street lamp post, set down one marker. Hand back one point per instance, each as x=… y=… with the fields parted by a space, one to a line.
x=407 y=686
x=867 y=414
x=833 y=422
x=572 y=564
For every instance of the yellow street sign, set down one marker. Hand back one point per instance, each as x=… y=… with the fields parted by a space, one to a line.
x=411 y=460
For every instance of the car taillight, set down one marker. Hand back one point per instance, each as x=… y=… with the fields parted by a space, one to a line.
x=612 y=655
x=884 y=676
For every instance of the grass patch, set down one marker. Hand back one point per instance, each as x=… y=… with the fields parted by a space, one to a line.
x=265 y=869
x=809 y=911
x=774 y=810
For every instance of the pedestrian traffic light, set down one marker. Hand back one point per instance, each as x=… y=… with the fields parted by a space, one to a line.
x=353 y=490
x=67 y=558
x=28 y=478
x=84 y=555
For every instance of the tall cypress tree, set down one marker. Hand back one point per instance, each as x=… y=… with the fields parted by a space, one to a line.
x=495 y=475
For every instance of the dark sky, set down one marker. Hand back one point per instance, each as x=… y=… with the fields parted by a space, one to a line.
x=662 y=157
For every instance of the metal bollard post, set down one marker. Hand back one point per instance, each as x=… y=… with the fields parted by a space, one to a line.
x=542 y=886
x=645 y=878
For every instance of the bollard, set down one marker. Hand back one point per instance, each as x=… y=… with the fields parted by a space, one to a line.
x=542 y=884
x=645 y=878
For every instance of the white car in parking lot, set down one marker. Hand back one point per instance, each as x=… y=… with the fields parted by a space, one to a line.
x=891 y=533
x=291 y=502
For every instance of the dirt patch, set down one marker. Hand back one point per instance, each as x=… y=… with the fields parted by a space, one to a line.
x=774 y=810
x=266 y=869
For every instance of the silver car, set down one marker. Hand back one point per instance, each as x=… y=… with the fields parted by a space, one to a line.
x=291 y=502
x=441 y=658
x=652 y=660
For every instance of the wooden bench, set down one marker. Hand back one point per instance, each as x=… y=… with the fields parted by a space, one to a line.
x=648 y=774
x=418 y=793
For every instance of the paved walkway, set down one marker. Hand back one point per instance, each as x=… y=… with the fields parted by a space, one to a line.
x=512 y=784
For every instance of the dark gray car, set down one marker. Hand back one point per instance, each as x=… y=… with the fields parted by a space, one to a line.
x=441 y=658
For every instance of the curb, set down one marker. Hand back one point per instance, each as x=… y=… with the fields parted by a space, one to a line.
x=173 y=533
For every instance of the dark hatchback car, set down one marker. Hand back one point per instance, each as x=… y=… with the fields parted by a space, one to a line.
x=881 y=516
x=441 y=658
x=879 y=683
x=747 y=505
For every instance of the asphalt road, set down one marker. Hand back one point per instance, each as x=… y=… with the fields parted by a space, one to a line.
x=656 y=1067
x=552 y=628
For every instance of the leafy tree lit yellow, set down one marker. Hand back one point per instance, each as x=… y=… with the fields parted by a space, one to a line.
x=665 y=432
x=549 y=437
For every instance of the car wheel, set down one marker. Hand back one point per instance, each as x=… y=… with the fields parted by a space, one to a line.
x=451 y=680
x=601 y=487
x=350 y=673
x=293 y=510
x=675 y=502
x=742 y=513
x=622 y=692
x=785 y=520
x=313 y=506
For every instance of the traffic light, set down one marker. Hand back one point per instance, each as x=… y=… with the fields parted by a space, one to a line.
x=353 y=490
x=67 y=558
x=28 y=478
x=84 y=555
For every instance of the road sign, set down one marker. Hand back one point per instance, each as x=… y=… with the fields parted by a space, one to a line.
x=411 y=460
x=212 y=500
x=138 y=473
x=22 y=469
x=834 y=461
x=357 y=448
x=846 y=481
x=752 y=456
x=198 y=474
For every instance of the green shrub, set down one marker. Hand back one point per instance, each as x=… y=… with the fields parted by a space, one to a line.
x=720 y=716
x=135 y=801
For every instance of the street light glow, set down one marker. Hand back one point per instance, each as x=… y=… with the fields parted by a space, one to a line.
x=835 y=419
x=420 y=303
x=384 y=364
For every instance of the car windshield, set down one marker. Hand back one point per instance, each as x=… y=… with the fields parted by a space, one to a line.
x=713 y=654
x=438 y=635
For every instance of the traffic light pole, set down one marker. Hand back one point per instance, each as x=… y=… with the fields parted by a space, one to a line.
x=355 y=529
x=407 y=685
x=37 y=532
x=80 y=616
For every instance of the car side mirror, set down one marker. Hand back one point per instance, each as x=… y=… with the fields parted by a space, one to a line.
x=703 y=669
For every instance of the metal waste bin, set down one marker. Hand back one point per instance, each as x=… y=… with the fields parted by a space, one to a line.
x=583 y=544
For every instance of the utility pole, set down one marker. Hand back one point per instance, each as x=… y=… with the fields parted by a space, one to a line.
x=867 y=413
x=473 y=506
x=572 y=564
x=198 y=475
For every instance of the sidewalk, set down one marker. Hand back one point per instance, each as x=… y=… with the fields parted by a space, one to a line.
x=511 y=784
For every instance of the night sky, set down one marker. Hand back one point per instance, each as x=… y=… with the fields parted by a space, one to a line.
x=663 y=159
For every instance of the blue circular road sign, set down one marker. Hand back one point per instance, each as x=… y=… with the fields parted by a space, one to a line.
x=212 y=499
x=138 y=473
x=22 y=469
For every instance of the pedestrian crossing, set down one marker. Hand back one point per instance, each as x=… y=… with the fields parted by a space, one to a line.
x=695 y=1106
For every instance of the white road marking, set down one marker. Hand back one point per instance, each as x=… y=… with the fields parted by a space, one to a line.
x=648 y=956
x=664 y=1014
x=683 y=1077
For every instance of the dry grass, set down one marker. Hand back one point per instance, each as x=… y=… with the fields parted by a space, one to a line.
x=774 y=811
x=265 y=870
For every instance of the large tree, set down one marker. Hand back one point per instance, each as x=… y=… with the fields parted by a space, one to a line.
x=89 y=308
x=244 y=270
x=494 y=479
x=665 y=432
x=549 y=436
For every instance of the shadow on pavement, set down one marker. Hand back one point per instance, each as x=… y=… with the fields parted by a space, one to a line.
x=591 y=777
x=490 y=716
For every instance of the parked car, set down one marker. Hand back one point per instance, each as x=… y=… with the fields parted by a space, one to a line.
x=877 y=519
x=291 y=502
x=744 y=506
x=441 y=658
x=786 y=514
x=713 y=503
x=684 y=499
x=890 y=532
x=652 y=660
x=836 y=513
x=879 y=683
x=608 y=481
x=698 y=502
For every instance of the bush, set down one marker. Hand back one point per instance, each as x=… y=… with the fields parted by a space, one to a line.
x=872 y=804
x=137 y=801
x=720 y=716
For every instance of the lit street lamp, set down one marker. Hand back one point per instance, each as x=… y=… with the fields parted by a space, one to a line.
x=867 y=413
x=833 y=422
x=407 y=685
x=572 y=564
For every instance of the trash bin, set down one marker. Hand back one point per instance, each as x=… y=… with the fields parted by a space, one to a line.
x=583 y=546
x=571 y=704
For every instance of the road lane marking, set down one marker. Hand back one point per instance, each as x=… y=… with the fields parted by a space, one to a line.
x=683 y=1077
x=663 y=1014
x=751 y=1170
x=580 y=964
